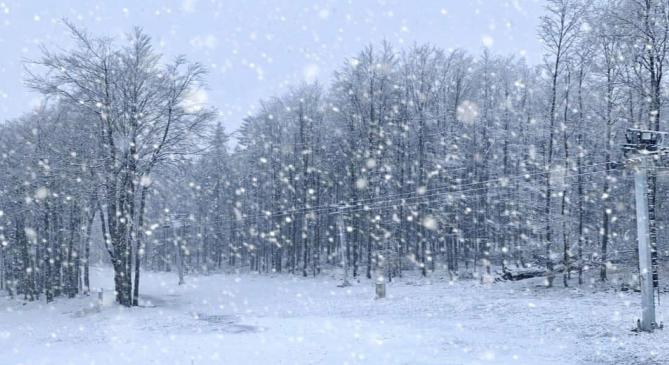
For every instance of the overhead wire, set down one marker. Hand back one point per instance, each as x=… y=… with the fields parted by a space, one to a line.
x=413 y=195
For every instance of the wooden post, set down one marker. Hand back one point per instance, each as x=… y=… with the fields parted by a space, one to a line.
x=380 y=289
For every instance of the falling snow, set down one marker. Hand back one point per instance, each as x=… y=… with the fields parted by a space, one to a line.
x=321 y=182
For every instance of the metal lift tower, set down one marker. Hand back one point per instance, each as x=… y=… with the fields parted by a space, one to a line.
x=642 y=149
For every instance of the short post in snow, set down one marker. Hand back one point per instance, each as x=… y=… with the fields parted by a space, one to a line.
x=380 y=288
x=101 y=297
x=342 y=242
x=105 y=298
x=647 y=322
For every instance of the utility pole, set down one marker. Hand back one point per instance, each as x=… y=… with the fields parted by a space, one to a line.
x=642 y=146
x=344 y=246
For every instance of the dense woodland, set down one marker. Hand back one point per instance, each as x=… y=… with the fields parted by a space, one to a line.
x=407 y=159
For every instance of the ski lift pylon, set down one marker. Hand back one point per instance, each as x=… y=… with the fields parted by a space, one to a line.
x=643 y=141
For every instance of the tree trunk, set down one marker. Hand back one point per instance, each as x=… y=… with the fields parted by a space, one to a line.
x=139 y=252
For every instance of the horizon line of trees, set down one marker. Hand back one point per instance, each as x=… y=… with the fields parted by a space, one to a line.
x=440 y=159
x=431 y=159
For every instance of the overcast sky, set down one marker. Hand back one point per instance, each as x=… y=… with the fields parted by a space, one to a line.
x=255 y=49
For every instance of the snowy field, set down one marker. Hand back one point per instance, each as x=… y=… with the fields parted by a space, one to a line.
x=251 y=319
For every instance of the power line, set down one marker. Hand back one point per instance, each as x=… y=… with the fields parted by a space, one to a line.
x=361 y=203
x=467 y=196
x=445 y=193
x=397 y=196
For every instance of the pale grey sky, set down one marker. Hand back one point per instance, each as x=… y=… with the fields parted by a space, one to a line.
x=254 y=49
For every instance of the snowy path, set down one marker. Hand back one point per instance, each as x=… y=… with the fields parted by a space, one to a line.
x=250 y=319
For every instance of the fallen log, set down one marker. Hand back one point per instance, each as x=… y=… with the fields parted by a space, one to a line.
x=522 y=273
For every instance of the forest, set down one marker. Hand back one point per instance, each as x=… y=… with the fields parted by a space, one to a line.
x=411 y=159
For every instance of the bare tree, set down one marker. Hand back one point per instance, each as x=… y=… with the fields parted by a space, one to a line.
x=559 y=30
x=139 y=122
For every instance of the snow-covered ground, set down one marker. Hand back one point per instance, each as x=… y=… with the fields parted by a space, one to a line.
x=253 y=319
